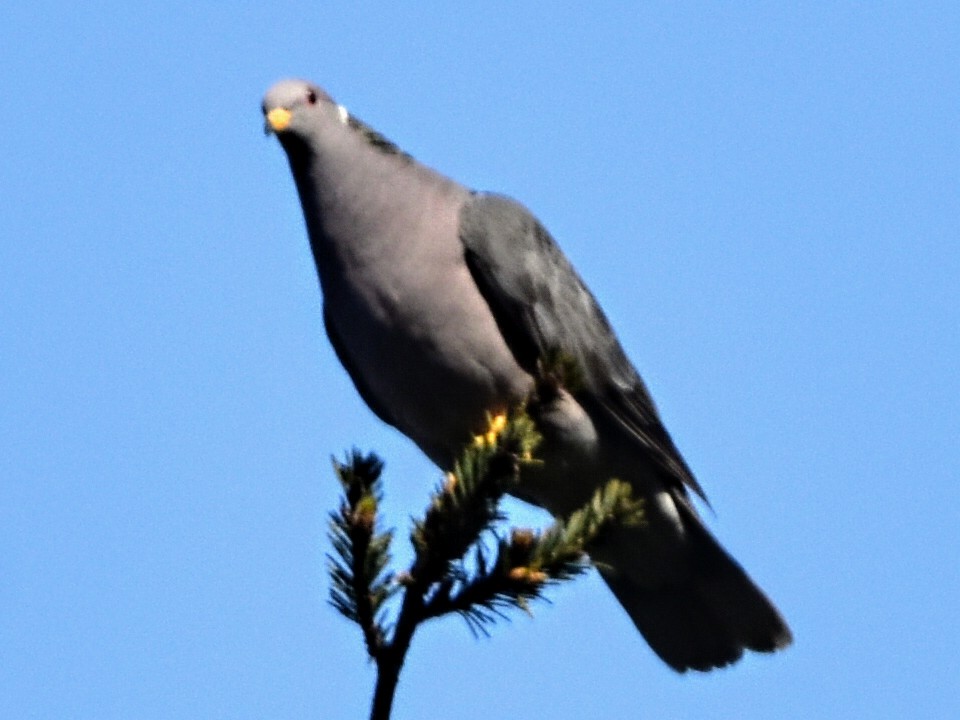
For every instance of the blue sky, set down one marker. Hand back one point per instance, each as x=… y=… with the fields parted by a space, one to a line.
x=766 y=201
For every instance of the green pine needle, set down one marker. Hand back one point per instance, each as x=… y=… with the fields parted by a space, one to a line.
x=461 y=510
x=361 y=583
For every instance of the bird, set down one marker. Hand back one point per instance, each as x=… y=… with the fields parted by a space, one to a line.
x=442 y=303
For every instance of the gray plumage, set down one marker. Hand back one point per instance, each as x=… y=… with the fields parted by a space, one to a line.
x=440 y=302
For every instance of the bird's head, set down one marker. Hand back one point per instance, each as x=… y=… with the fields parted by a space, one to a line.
x=294 y=107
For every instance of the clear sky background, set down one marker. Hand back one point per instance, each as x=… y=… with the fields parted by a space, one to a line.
x=765 y=200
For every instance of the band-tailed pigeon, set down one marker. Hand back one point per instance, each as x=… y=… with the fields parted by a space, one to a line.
x=440 y=301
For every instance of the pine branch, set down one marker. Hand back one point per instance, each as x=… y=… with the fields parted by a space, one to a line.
x=360 y=584
x=467 y=503
x=462 y=510
x=526 y=564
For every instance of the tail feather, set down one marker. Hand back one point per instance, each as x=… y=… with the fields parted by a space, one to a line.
x=706 y=615
x=678 y=625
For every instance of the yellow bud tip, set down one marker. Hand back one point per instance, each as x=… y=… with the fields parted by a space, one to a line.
x=518 y=573
x=527 y=575
x=498 y=423
x=278 y=119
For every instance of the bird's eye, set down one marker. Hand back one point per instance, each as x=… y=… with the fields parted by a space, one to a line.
x=311 y=97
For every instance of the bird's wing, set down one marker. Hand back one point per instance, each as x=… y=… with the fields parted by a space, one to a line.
x=542 y=308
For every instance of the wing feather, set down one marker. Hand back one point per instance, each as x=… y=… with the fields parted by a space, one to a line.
x=542 y=306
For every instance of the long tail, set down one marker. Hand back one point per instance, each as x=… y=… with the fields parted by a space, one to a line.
x=707 y=613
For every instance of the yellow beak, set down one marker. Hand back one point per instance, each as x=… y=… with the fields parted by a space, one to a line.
x=278 y=120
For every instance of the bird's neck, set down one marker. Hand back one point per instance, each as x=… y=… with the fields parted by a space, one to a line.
x=359 y=198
